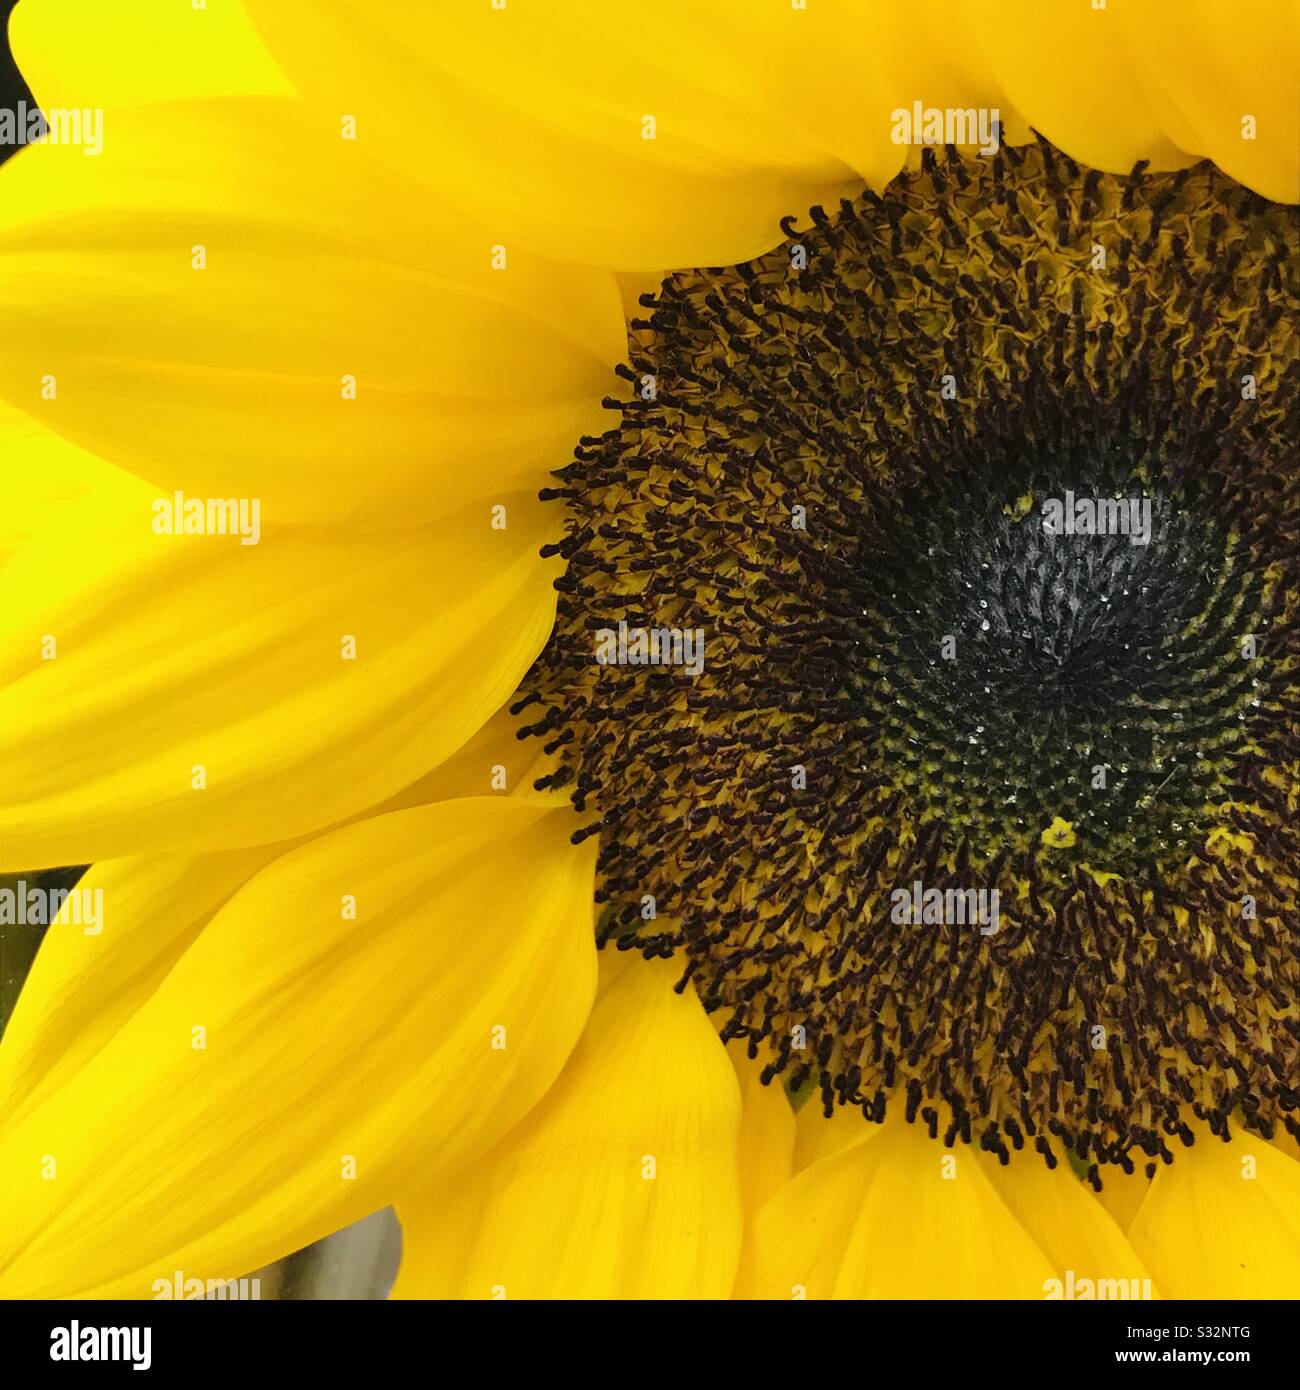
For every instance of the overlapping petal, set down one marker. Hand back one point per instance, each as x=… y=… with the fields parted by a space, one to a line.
x=126 y=924
x=1076 y=77
x=495 y=761
x=1221 y=89
x=767 y=1133
x=818 y=1135
x=619 y=138
x=593 y=132
x=1122 y=1194
x=82 y=53
x=1069 y=1225
x=234 y=303
x=1223 y=1221
x=205 y=694
x=892 y=1216
x=385 y=1000
x=1169 y=81
x=41 y=473
x=622 y=1184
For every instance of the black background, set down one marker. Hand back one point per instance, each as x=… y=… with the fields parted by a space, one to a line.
x=12 y=87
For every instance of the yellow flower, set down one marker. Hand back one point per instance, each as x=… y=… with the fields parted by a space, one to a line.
x=373 y=267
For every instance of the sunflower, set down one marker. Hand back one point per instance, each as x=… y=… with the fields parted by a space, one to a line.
x=655 y=419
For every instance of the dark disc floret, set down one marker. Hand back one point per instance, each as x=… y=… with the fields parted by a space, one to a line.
x=886 y=649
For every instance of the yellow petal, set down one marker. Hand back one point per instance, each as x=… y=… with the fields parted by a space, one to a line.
x=496 y=761
x=931 y=54
x=622 y=1184
x=1047 y=70
x=1228 y=93
x=82 y=53
x=1223 y=1221
x=1180 y=77
x=767 y=1132
x=685 y=150
x=83 y=991
x=1067 y=1223
x=572 y=128
x=41 y=473
x=1123 y=1194
x=339 y=1057
x=344 y=348
x=879 y=1219
x=819 y=1137
x=134 y=919
x=203 y=693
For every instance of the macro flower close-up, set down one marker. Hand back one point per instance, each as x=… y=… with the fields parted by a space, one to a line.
x=659 y=641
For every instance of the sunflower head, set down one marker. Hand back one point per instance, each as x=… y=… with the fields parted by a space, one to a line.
x=919 y=703
x=976 y=498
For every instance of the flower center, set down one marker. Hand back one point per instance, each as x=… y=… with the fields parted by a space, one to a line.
x=928 y=654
